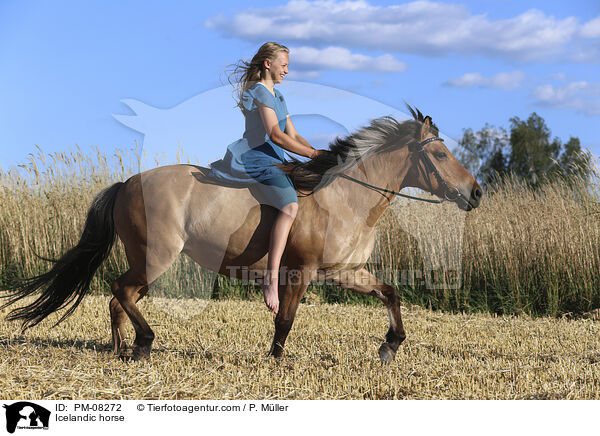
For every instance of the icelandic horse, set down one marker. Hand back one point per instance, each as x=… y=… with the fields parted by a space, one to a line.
x=165 y=211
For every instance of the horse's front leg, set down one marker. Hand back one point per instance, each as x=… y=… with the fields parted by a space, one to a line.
x=363 y=282
x=290 y=294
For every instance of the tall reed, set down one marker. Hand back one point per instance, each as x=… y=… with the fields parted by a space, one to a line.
x=524 y=250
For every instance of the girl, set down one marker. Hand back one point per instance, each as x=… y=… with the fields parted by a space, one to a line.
x=250 y=161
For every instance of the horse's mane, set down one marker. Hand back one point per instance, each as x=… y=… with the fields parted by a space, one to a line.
x=383 y=134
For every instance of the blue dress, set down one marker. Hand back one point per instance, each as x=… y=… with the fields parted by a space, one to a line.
x=250 y=161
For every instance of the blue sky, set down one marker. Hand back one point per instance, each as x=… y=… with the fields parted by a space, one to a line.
x=66 y=66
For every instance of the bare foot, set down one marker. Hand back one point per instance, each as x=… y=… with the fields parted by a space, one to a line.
x=271 y=294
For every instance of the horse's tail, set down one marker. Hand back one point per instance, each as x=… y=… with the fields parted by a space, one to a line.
x=70 y=277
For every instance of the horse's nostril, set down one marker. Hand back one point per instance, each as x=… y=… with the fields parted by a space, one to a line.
x=477 y=193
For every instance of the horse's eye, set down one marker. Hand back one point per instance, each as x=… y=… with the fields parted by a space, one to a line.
x=440 y=155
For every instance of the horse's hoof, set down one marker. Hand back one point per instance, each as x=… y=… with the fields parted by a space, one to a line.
x=277 y=355
x=386 y=353
x=141 y=353
x=276 y=351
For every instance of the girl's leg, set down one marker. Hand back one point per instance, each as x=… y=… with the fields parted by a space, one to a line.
x=279 y=234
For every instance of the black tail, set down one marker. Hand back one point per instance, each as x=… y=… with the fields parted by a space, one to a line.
x=70 y=277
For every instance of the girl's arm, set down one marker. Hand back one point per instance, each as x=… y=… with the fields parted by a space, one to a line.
x=290 y=139
x=290 y=130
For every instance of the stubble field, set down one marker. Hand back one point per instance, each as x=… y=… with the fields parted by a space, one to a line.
x=534 y=254
x=208 y=349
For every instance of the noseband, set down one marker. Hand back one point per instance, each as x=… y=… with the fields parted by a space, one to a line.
x=450 y=193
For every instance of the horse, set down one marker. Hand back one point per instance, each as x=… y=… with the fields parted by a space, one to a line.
x=165 y=211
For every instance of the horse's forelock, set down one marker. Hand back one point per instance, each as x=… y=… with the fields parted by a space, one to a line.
x=418 y=116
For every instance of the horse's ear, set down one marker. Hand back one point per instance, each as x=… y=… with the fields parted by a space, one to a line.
x=425 y=127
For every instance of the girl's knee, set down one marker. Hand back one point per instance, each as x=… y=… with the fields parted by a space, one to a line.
x=290 y=209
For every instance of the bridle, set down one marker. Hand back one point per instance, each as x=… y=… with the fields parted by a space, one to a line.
x=450 y=193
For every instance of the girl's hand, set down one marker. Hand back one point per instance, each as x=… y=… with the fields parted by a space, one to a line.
x=316 y=153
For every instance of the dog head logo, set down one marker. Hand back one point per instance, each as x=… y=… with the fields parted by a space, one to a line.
x=26 y=415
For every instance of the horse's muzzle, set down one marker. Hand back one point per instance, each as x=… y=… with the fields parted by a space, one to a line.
x=463 y=201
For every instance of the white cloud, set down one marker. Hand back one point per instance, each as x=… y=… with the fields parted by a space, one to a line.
x=580 y=96
x=420 y=27
x=339 y=58
x=591 y=29
x=468 y=79
x=506 y=81
x=558 y=76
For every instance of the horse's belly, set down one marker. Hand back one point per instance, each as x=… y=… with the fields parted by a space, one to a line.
x=333 y=243
x=225 y=227
x=353 y=255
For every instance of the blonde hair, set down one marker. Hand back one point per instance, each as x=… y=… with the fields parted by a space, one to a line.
x=245 y=74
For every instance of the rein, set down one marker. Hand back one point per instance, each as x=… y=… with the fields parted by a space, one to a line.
x=450 y=194
x=388 y=191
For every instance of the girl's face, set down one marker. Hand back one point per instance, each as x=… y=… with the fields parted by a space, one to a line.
x=278 y=67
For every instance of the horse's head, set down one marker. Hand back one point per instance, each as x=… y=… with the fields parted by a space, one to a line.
x=435 y=170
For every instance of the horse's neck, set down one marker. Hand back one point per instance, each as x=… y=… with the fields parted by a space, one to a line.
x=386 y=171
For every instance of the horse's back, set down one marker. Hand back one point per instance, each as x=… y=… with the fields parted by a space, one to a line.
x=218 y=226
x=175 y=206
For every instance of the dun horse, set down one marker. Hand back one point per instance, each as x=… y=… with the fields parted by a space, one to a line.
x=168 y=210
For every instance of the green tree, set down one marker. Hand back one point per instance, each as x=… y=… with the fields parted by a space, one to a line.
x=484 y=152
x=526 y=152
x=532 y=155
x=575 y=161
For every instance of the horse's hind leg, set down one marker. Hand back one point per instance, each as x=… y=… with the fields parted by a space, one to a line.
x=366 y=283
x=146 y=265
x=126 y=290
x=148 y=222
x=118 y=318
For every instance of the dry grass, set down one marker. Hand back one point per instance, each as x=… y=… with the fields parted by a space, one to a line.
x=217 y=350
